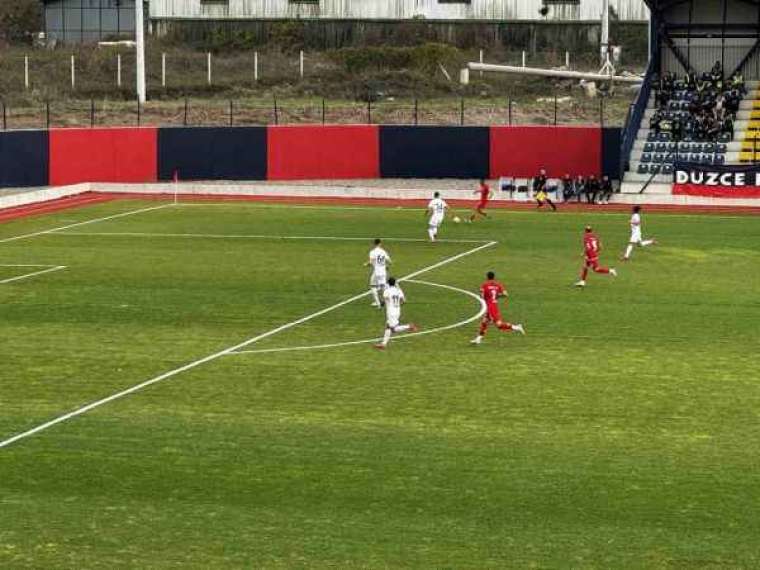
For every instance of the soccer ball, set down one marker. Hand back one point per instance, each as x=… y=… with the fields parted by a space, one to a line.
x=456 y=219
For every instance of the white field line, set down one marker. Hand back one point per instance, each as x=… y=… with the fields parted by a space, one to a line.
x=466 y=321
x=258 y=236
x=410 y=208
x=84 y=223
x=50 y=269
x=224 y=352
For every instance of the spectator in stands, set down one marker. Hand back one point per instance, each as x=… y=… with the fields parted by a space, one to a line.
x=605 y=190
x=592 y=189
x=736 y=82
x=568 y=189
x=579 y=187
x=716 y=73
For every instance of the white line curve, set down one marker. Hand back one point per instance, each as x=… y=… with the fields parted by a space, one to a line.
x=466 y=321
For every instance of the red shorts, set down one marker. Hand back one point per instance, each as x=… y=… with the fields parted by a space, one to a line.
x=592 y=262
x=492 y=313
x=481 y=205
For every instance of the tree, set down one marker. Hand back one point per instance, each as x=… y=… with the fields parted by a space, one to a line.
x=20 y=20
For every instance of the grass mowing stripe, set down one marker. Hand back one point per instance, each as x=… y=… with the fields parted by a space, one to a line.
x=466 y=321
x=214 y=356
x=84 y=223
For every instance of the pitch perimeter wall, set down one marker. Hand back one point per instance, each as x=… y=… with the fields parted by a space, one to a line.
x=302 y=152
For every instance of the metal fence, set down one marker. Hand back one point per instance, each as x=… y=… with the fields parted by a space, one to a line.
x=552 y=110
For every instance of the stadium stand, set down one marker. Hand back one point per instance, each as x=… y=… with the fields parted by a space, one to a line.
x=699 y=101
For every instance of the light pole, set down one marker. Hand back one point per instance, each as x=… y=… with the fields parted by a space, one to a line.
x=140 y=48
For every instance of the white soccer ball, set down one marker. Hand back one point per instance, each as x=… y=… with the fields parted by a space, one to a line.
x=456 y=219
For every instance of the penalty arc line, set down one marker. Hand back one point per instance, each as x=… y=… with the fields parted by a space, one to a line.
x=224 y=352
x=466 y=321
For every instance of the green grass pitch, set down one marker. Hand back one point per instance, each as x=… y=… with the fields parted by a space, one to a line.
x=622 y=432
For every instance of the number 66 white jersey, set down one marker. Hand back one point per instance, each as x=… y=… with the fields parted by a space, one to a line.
x=379 y=261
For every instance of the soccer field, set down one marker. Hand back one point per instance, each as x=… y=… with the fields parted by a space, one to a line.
x=622 y=432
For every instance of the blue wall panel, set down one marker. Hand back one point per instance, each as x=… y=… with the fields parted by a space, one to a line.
x=23 y=159
x=213 y=153
x=612 y=140
x=434 y=152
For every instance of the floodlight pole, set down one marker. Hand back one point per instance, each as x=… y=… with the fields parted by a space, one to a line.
x=140 y=49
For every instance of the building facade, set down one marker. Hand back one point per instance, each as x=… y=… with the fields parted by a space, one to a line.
x=467 y=10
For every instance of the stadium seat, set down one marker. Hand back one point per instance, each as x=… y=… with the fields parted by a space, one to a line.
x=706 y=159
x=646 y=157
x=672 y=147
x=661 y=147
x=667 y=169
x=721 y=148
x=695 y=158
x=724 y=137
x=696 y=147
x=658 y=158
x=642 y=169
x=719 y=159
x=652 y=136
x=648 y=147
x=655 y=168
x=663 y=137
x=708 y=147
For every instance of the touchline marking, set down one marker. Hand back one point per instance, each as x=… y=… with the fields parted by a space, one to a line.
x=258 y=236
x=50 y=269
x=214 y=356
x=84 y=223
x=468 y=320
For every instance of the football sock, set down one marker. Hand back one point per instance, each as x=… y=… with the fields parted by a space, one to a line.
x=386 y=336
x=401 y=328
x=505 y=327
x=601 y=270
x=431 y=233
x=647 y=242
x=628 y=250
x=483 y=329
x=584 y=273
x=375 y=295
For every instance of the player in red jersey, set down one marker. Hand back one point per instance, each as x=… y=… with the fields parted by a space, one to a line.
x=492 y=291
x=485 y=194
x=591 y=249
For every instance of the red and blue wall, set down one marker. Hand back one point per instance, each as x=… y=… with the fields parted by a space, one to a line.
x=149 y=154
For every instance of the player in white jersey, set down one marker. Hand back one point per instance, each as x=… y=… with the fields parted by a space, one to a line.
x=379 y=260
x=394 y=298
x=636 y=238
x=436 y=209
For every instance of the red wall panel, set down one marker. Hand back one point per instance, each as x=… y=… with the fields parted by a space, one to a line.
x=103 y=155
x=314 y=152
x=522 y=151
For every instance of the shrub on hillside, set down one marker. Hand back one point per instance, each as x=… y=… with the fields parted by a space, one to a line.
x=425 y=57
x=19 y=20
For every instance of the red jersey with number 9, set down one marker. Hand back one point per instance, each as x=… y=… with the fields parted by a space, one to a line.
x=491 y=291
x=591 y=246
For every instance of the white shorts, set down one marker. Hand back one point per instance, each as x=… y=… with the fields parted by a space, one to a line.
x=392 y=319
x=636 y=235
x=378 y=279
x=435 y=221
